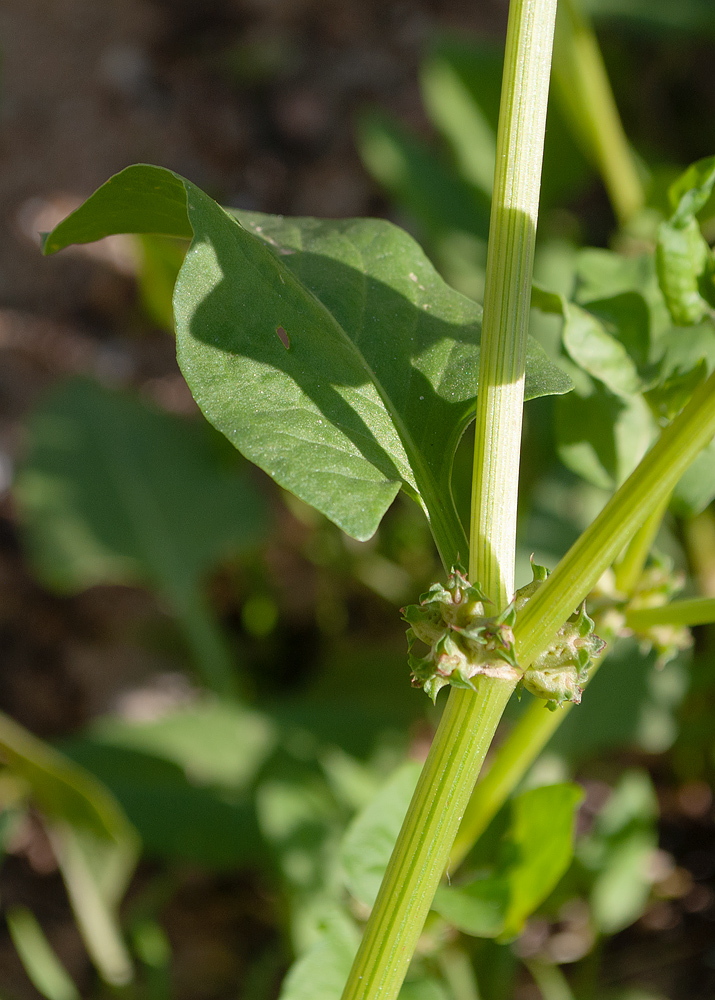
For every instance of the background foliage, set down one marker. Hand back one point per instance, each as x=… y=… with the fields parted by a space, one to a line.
x=149 y=574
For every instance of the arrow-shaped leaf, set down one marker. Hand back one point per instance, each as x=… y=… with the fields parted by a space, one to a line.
x=330 y=353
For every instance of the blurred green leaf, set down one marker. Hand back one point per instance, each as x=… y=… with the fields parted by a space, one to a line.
x=541 y=836
x=217 y=744
x=425 y=988
x=95 y=844
x=643 y=716
x=114 y=491
x=44 y=969
x=415 y=176
x=598 y=352
x=696 y=489
x=160 y=260
x=478 y=908
x=185 y=779
x=370 y=838
x=322 y=972
x=619 y=849
x=670 y=396
x=451 y=106
x=601 y=436
x=537 y=850
x=664 y=15
x=686 y=268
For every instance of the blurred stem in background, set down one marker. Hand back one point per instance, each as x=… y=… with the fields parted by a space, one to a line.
x=584 y=90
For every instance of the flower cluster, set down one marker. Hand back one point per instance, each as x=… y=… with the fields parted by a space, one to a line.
x=465 y=641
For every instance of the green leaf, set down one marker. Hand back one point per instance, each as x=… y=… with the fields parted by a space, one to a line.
x=160 y=262
x=696 y=489
x=478 y=908
x=452 y=107
x=626 y=317
x=538 y=848
x=184 y=779
x=178 y=819
x=137 y=200
x=602 y=437
x=598 y=352
x=95 y=844
x=44 y=969
x=691 y=191
x=217 y=744
x=330 y=353
x=684 y=260
x=618 y=851
x=684 y=263
x=114 y=491
x=416 y=177
x=322 y=972
x=370 y=838
x=426 y=988
x=541 y=833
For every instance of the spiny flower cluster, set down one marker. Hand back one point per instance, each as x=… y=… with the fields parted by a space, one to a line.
x=464 y=642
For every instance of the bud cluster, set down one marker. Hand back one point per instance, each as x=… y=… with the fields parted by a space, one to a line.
x=464 y=642
x=657 y=586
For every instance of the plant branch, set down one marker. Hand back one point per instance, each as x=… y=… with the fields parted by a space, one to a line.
x=629 y=567
x=585 y=91
x=644 y=490
x=697 y=611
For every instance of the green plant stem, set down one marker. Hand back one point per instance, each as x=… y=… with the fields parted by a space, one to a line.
x=585 y=91
x=644 y=490
x=536 y=726
x=422 y=849
x=697 y=611
x=551 y=981
x=470 y=718
x=205 y=640
x=507 y=296
x=629 y=567
x=457 y=970
x=514 y=758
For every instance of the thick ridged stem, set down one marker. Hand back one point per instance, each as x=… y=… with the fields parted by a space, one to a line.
x=470 y=719
x=507 y=296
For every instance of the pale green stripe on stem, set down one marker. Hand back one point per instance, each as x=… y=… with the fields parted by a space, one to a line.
x=507 y=295
x=421 y=853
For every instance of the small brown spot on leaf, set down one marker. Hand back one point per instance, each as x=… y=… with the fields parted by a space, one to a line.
x=283 y=337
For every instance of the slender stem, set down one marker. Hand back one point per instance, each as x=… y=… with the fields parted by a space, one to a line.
x=205 y=639
x=457 y=970
x=470 y=718
x=585 y=92
x=507 y=295
x=551 y=981
x=422 y=850
x=697 y=611
x=629 y=567
x=643 y=491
